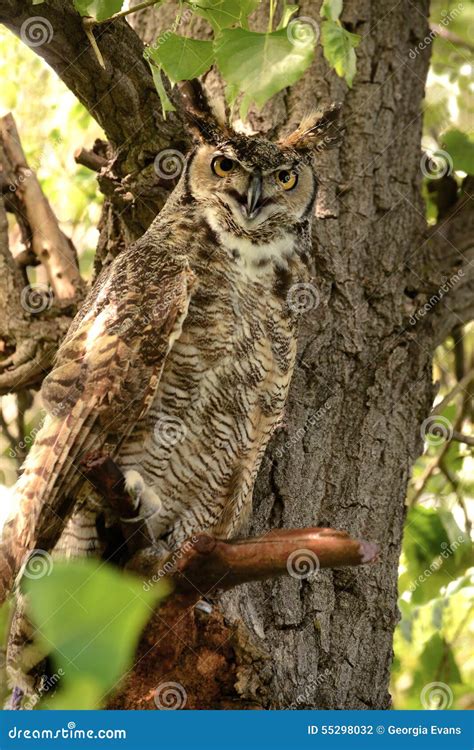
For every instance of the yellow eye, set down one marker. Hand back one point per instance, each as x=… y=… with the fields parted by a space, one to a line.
x=222 y=166
x=286 y=179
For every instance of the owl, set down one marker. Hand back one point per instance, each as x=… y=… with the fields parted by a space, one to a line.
x=179 y=362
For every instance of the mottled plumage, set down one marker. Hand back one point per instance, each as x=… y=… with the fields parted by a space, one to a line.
x=179 y=363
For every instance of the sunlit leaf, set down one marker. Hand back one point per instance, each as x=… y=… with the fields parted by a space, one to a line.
x=260 y=65
x=98 y=9
x=338 y=46
x=331 y=9
x=181 y=58
x=222 y=14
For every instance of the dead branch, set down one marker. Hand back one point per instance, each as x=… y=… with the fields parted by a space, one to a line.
x=89 y=159
x=48 y=243
x=32 y=323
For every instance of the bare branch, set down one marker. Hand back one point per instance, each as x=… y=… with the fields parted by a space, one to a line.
x=55 y=251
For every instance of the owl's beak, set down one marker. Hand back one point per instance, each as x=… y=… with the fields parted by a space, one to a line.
x=253 y=196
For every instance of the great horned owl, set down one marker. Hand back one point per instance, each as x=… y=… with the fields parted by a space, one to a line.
x=179 y=362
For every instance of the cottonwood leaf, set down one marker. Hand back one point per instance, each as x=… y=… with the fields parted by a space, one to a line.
x=181 y=58
x=331 y=9
x=222 y=14
x=338 y=47
x=98 y=9
x=91 y=615
x=260 y=65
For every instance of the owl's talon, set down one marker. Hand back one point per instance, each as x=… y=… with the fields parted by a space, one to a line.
x=146 y=501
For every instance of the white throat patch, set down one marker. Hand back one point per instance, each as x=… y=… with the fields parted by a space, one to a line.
x=258 y=259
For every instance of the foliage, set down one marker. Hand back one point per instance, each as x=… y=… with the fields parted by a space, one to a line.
x=433 y=642
x=91 y=637
x=254 y=65
x=449 y=98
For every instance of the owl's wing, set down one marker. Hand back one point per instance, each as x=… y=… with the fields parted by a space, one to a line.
x=106 y=374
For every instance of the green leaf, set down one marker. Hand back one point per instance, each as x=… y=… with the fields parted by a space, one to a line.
x=98 y=9
x=331 y=9
x=222 y=14
x=91 y=615
x=338 y=47
x=166 y=103
x=260 y=65
x=38 y=2
x=181 y=58
x=461 y=149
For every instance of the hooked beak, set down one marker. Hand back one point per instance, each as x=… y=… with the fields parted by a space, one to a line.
x=253 y=196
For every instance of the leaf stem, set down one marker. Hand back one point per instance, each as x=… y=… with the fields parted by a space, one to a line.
x=271 y=15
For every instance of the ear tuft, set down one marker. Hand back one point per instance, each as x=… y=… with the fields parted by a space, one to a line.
x=200 y=117
x=317 y=132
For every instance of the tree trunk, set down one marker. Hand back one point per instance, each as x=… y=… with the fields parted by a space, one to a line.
x=363 y=383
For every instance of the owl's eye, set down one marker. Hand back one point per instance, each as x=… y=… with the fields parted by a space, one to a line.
x=287 y=179
x=222 y=166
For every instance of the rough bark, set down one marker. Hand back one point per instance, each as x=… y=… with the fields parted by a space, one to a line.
x=363 y=383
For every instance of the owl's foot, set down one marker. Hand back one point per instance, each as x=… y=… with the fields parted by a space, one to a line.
x=146 y=501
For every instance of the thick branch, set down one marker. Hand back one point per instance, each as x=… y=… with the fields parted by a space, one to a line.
x=121 y=97
x=204 y=563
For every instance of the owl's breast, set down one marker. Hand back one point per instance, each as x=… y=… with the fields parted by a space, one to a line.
x=221 y=394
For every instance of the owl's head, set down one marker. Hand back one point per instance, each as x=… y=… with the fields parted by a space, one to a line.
x=250 y=186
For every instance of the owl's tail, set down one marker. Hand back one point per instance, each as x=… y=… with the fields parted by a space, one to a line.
x=43 y=495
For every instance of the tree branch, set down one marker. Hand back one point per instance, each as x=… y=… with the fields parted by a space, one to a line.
x=205 y=564
x=52 y=248
x=121 y=97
